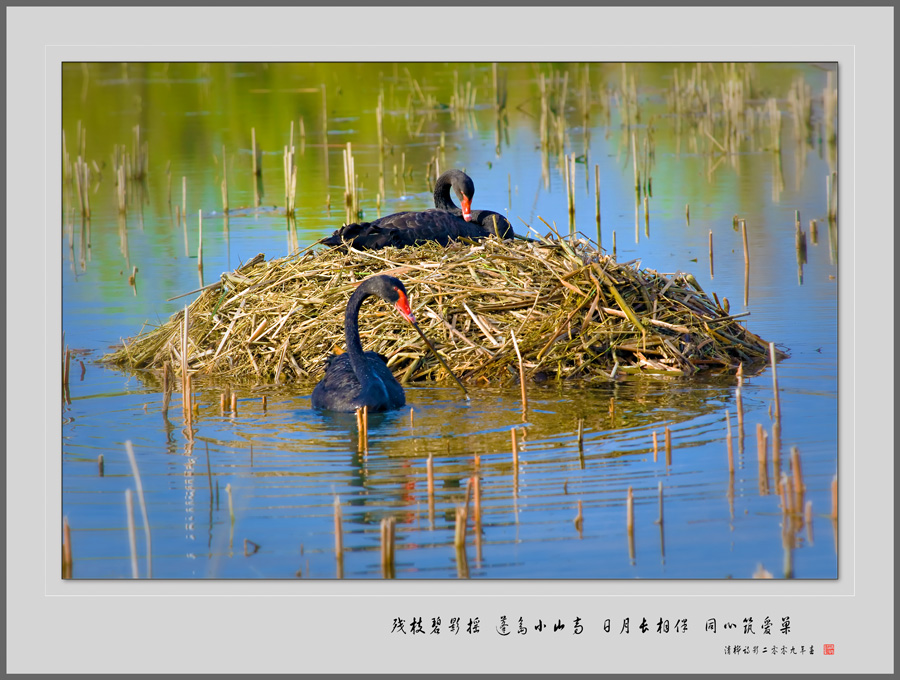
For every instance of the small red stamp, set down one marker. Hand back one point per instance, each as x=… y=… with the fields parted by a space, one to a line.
x=829 y=650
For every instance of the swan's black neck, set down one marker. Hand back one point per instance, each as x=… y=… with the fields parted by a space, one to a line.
x=351 y=335
x=351 y=324
x=442 y=198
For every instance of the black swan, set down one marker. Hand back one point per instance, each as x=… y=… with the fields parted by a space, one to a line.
x=445 y=223
x=356 y=378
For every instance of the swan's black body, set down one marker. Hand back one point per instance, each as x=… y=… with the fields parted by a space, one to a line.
x=356 y=378
x=445 y=223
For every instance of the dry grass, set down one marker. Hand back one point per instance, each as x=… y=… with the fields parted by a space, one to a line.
x=575 y=314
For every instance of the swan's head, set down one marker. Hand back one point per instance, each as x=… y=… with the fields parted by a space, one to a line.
x=464 y=188
x=392 y=290
x=402 y=303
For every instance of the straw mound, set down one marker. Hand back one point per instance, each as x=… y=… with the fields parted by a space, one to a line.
x=574 y=313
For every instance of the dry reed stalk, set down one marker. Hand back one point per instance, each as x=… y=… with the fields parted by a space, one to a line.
x=234 y=408
x=833 y=201
x=515 y=451
x=67 y=356
x=668 y=439
x=462 y=562
x=101 y=467
x=429 y=469
x=761 y=444
x=739 y=405
x=338 y=538
x=655 y=447
x=254 y=336
x=411 y=412
x=387 y=547
x=800 y=247
x=787 y=507
x=763 y=476
x=710 y=254
x=200 y=240
x=637 y=215
x=637 y=176
x=521 y=374
x=687 y=213
x=459 y=536
x=132 y=542
x=629 y=513
x=827 y=192
x=476 y=492
x=183 y=197
x=365 y=429
x=67 y=550
x=379 y=123
x=383 y=534
x=579 y=520
x=209 y=473
x=78 y=187
x=776 y=446
x=797 y=474
x=86 y=187
x=730 y=443
x=189 y=416
x=122 y=190
x=581 y=434
x=772 y=355
x=185 y=392
x=646 y=215
x=167 y=389
x=140 y=491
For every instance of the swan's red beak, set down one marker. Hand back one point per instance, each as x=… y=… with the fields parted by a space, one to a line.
x=402 y=306
x=466 y=208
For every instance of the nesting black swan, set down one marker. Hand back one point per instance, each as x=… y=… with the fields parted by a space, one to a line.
x=356 y=378
x=445 y=223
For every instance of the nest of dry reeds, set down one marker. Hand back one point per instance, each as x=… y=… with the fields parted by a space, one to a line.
x=575 y=313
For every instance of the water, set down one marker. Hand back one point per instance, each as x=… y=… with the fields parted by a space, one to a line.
x=285 y=464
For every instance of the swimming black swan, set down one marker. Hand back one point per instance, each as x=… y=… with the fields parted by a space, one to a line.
x=356 y=378
x=443 y=224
